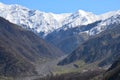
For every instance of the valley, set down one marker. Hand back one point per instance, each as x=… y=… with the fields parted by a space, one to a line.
x=37 y=45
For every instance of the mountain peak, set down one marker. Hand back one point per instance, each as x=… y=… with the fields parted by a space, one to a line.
x=12 y=7
x=82 y=12
x=80 y=17
x=2 y=5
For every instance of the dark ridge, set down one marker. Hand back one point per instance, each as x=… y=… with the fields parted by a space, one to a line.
x=113 y=72
x=20 y=49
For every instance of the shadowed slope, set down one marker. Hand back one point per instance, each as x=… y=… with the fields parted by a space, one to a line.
x=20 y=48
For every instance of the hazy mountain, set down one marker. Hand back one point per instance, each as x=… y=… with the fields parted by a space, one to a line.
x=19 y=49
x=103 y=47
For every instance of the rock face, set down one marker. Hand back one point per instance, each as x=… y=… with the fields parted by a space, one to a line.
x=104 y=47
x=19 y=49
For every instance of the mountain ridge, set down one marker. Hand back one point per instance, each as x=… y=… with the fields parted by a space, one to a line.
x=20 y=49
x=45 y=23
x=69 y=39
x=103 y=47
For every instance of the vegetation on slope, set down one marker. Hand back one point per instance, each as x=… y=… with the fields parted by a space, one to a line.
x=73 y=76
x=104 y=47
x=20 y=49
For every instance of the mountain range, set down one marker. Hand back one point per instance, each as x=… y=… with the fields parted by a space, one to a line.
x=39 y=21
x=32 y=43
x=102 y=48
x=70 y=39
x=59 y=29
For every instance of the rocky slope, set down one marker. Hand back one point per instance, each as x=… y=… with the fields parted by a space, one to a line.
x=19 y=49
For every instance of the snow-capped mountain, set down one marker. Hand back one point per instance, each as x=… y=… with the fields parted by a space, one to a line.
x=68 y=29
x=109 y=14
x=68 y=39
x=42 y=22
x=106 y=23
x=45 y=23
x=32 y=19
x=80 y=18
